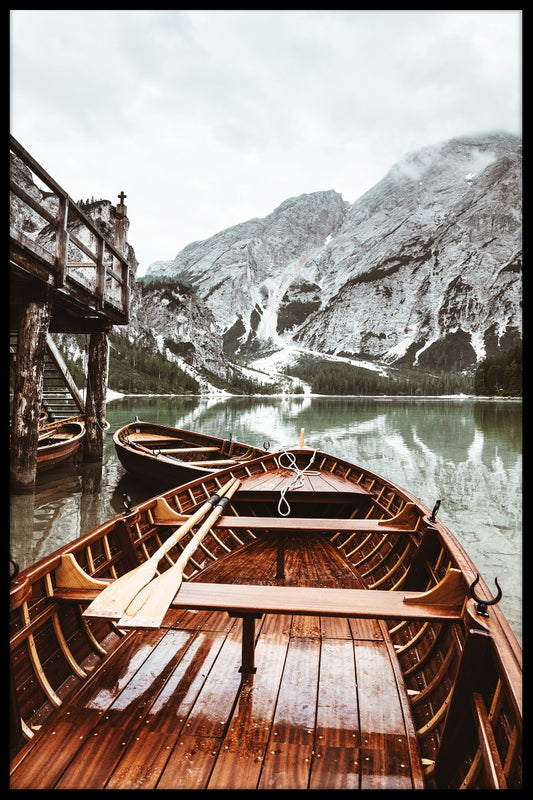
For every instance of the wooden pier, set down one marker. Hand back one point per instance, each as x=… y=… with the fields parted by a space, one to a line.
x=66 y=276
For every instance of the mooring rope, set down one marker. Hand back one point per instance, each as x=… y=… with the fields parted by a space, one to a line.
x=297 y=481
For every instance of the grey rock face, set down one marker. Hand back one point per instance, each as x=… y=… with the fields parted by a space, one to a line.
x=424 y=269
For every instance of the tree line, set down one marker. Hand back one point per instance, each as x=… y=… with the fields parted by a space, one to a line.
x=500 y=375
x=134 y=370
x=337 y=377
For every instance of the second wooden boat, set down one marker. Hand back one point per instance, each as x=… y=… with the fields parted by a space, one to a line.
x=59 y=441
x=167 y=456
x=293 y=622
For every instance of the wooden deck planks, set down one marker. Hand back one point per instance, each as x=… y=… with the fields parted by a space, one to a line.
x=337 y=740
x=159 y=732
x=284 y=478
x=242 y=749
x=193 y=721
x=116 y=729
x=289 y=751
x=76 y=721
x=385 y=753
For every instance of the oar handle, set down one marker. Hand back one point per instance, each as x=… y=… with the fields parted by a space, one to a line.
x=207 y=525
x=185 y=527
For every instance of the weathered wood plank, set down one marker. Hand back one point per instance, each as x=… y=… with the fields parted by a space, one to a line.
x=385 y=758
x=289 y=751
x=335 y=762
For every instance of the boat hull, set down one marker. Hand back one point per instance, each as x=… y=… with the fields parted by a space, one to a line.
x=324 y=637
x=58 y=442
x=150 y=452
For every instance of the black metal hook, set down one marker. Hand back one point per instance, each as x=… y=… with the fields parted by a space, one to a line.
x=266 y=445
x=126 y=502
x=434 y=512
x=15 y=569
x=482 y=605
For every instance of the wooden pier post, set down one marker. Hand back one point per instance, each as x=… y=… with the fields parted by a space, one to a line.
x=98 y=366
x=95 y=401
x=34 y=321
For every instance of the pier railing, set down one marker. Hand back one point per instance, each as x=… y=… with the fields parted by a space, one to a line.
x=54 y=241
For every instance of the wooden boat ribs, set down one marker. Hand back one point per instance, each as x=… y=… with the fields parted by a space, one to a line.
x=397 y=612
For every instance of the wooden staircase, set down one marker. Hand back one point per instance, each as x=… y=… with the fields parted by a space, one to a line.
x=61 y=397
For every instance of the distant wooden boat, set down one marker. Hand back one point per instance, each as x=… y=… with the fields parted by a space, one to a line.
x=313 y=626
x=59 y=441
x=168 y=456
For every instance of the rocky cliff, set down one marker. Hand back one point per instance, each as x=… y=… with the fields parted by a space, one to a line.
x=422 y=270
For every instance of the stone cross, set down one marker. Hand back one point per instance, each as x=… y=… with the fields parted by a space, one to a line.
x=122 y=197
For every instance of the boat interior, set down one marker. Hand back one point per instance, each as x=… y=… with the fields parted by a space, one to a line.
x=259 y=691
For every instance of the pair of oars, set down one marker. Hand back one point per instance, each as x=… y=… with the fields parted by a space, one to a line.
x=150 y=605
x=113 y=601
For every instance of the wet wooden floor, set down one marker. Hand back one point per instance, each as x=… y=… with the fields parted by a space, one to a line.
x=172 y=711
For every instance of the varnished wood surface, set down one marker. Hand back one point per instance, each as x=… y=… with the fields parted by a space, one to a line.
x=294 y=524
x=171 y=709
x=450 y=690
x=306 y=483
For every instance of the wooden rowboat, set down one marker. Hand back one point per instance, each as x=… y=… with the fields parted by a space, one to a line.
x=321 y=629
x=168 y=456
x=59 y=441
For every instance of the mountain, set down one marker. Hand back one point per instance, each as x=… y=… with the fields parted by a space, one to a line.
x=424 y=270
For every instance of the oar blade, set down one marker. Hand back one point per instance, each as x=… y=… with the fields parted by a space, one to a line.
x=148 y=607
x=112 y=600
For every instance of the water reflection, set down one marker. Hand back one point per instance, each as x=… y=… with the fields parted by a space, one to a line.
x=466 y=453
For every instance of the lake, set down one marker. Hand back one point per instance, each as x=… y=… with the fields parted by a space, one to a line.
x=466 y=453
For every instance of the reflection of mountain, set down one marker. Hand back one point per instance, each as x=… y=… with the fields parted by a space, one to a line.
x=257 y=421
x=498 y=423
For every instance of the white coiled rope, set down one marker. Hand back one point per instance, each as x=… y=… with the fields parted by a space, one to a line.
x=297 y=482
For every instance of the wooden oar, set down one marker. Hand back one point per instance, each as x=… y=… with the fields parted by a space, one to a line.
x=148 y=608
x=112 y=602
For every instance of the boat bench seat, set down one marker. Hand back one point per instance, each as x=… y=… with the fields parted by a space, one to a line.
x=443 y=603
x=250 y=602
x=166 y=450
x=309 y=524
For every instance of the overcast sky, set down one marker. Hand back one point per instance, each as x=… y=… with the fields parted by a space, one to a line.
x=206 y=119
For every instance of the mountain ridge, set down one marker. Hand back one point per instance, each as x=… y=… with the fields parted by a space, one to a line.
x=422 y=270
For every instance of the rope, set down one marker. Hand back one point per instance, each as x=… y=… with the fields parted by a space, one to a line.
x=296 y=482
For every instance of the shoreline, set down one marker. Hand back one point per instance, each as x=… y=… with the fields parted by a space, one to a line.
x=113 y=395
